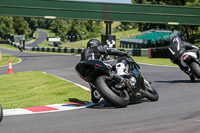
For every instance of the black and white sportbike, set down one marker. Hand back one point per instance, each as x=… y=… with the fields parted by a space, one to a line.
x=118 y=90
x=190 y=61
x=186 y=56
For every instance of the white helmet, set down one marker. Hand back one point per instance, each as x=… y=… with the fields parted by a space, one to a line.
x=120 y=68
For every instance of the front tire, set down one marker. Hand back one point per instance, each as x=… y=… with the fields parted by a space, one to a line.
x=151 y=93
x=192 y=78
x=1 y=113
x=118 y=100
x=196 y=69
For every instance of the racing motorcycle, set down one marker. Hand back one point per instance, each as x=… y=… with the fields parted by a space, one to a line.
x=191 y=63
x=118 y=90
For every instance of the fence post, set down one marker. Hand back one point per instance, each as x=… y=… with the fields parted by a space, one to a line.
x=149 y=51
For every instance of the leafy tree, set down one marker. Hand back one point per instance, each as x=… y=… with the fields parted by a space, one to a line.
x=94 y=28
x=20 y=25
x=44 y=23
x=124 y=26
x=187 y=29
x=78 y=30
x=32 y=23
x=6 y=27
x=60 y=27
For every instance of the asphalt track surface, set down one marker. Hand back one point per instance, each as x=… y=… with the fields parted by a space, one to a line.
x=177 y=111
x=42 y=35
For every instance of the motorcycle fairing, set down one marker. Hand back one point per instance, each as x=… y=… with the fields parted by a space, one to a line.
x=90 y=69
x=191 y=57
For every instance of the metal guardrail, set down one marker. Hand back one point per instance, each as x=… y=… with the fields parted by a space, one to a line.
x=132 y=52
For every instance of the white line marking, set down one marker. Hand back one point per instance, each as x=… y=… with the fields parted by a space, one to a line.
x=85 y=88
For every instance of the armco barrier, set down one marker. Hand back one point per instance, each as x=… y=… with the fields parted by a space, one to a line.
x=137 y=52
x=59 y=49
x=158 y=53
x=132 y=52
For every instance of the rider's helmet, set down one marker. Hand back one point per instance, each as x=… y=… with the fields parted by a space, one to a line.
x=93 y=42
x=176 y=39
x=120 y=68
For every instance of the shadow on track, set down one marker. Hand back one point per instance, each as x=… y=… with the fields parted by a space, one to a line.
x=104 y=105
x=178 y=81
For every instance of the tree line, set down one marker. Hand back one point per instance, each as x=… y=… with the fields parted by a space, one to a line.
x=63 y=28
x=188 y=30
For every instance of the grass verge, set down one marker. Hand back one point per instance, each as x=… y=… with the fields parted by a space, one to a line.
x=83 y=43
x=8 y=46
x=4 y=60
x=35 y=88
x=154 y=61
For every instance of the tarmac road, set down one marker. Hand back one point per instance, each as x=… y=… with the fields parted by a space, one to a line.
x=42 y=35
x=177 y=111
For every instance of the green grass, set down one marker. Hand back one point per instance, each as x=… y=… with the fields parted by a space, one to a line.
x=50 y=32
x=83 y=43
x=34 y=88
x=45 y=44
x=35 y=35
x=155 y=61
x=8 y=46
x=4 y=60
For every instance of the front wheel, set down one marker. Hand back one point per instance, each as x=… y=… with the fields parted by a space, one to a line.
x=151 y=93
x=1 y=113
x=196 y=69
x=117 y=98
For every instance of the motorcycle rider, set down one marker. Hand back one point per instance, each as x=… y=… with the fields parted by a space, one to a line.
x=96 y=51
x=177 y=48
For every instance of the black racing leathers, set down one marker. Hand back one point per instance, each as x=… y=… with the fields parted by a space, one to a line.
x=96 y=52
x=178 y=48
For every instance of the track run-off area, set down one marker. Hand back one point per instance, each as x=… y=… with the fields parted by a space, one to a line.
x=177 y=110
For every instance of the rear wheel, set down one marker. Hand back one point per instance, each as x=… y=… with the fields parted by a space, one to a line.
x=117 y=98
x=196 y=69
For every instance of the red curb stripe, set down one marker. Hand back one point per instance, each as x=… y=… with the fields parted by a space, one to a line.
x=78 y=104
x=40 y=109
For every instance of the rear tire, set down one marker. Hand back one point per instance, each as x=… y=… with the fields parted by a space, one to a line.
x=118 y=100
x=196 y=69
